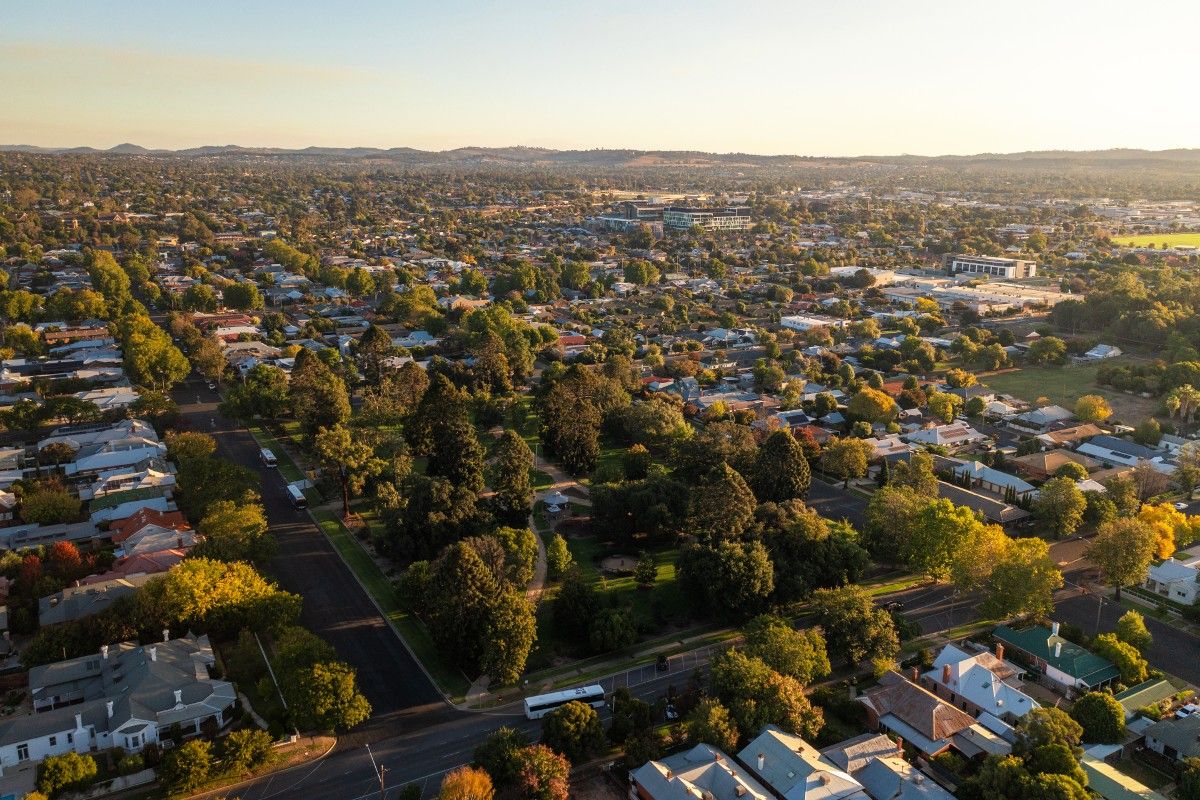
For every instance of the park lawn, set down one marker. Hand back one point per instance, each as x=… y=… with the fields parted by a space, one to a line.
x=1064 y=385
x=449 y=680
x=1159 y=239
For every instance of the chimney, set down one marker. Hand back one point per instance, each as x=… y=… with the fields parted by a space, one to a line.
x=179 y=542
x=946 y=674
x=916 y=674
x=762 y=762
x=1000 y=650
x=1057 y=649
x=179 y=698
x=104 y=652
x=1054 y=629
x=153 y=653
x=899 y=745
x=166 y=635
x=79 y=722
x=108 y=707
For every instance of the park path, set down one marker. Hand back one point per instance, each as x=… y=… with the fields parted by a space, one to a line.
x=559 y=482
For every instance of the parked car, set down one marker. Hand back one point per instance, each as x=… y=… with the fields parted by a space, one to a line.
x=1180 y=506
x=662 y=664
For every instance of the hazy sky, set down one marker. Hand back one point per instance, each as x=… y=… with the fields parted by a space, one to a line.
x=836 y=77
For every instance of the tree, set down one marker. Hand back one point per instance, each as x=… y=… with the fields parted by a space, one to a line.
x=1101 y=716
x=1125 y=656
x=457 y=455
x=558 y=557
x=50 y=505
x=187 y=447
x=730 y=579
x=1056 y=758
x=855 y=627
x=208 y=358
x=246 y=749
x=641 y=272
x=873 y=406
x=68 y=772
x=723 y=507
x=1131 y=629
x=318 y=397
x=1172 y=528
x=1060 y=504
x=235 y=532
x=373 y=350
x=242 y=296
x=943 y=405
x=498 y=755
x=542 y=774
x=938 y=537
x=781 y=471
x=325 y=697
x=1022 y=581
x=799 y=654
x=846 y=458
x=199 y=297
x=512 y=460
x=1092 y=408
x=612 y=629
x=631 y=717
x=959 y=378
x=710 y=723
x=1072 y=470
x=1047 y=350
x=1123 y=549
x=348 y=457
x=1046 y=725
x=466 y=783
x=574 y=730
x=891 y=519
x=757 y=695
x=645 y=573
x=63 y=560
x=187 y=766
x=262 y=394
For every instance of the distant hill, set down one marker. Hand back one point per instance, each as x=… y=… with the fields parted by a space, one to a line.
x=1188 y=159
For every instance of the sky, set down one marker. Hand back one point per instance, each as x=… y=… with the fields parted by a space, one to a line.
x=840 y=78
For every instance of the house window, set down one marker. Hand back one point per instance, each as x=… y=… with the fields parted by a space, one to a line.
x=53 y=741
x=70 y=738
x=23 y=751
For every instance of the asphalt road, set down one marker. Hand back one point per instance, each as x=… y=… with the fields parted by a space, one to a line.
x=833 y=503
x=335 y=606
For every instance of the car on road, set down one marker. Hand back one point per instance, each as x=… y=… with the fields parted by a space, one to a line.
x=671 y=712
x=895 y=605
x=1180 y=506
x=662 y=665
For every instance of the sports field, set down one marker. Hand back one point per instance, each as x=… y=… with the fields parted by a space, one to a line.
x=1159 y=239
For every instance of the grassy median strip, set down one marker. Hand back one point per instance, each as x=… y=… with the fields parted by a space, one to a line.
x=285 y=465
x=449 y=680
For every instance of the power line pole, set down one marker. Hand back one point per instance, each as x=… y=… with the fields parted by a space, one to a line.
x=379 y=771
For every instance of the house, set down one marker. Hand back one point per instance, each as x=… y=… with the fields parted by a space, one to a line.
x=979 y=682
x=1061 y=664
x=953 y=436
x=1042 y=419
x=1110 y=783
x=1110 y=450
x=1043 y=466
x=894 y=778
x=127 y=696
x=152 y=563
x=1146 y=693
x=702 y=772
x=77 y=602
x=123 y=529
x=1175 y=737
x=795 y=770
x=1176 y=580
x=988 y=478
x=855 y=753
x=1102 y=351
x=993 y=510
x=915 y=714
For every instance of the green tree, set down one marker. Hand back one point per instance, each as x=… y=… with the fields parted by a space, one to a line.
x=846 y=458
x=262 y=394
x=574 y=730
x=372 y=352
x=348 y=457
x=242 y=296
x=187 y=766
x=1123 y=550
x=559 y=560
x=512 y=460
x=325 y=697
x=710 y=723
x=723 y=507
x=1092 y=408
x=938 y=537
x=645 y=573
x=1060 y=505
x=67 y=772
x=199 y=297
x=1131 y=629
x=1189 y=780
x=873 y=406
x=208 y=358
x=799 y=654
x=855 y=627
x=1044 y=726
x=1101 y=716
x=498 y=755
x=235 y=532
x=943 y=405
x=457 y=455
x=730 y=579
x=757 y=695
x=246 y=749
x=781 y=471
x=1047 y=350
x=50 y=505
x=1022 y=581
x=1125 y=656
x=318 y=397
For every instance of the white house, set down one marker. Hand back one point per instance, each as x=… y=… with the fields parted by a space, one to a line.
x=1175 y=580
x=979 y=682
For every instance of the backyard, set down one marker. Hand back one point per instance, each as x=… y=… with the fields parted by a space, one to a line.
x=1064 y=385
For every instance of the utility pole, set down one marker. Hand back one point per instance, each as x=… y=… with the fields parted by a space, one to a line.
x=379 y=771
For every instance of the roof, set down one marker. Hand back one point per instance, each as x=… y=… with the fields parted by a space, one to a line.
x=688 y=775
x=919 y=708
x=1110 y=783
x=76 y=602
x=991 y=508
x=796 y=770
x=1145 y=693
x=854 y=754
x=1073 y=660
x=125 y=528
x=1181 y=734
x=972 y=677
x=895 y=779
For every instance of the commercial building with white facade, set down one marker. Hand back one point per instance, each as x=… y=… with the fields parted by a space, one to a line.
x=1007 y=268
x=734 y=218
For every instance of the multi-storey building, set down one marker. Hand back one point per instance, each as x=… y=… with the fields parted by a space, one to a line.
x=734 y=218
x=1007 y=268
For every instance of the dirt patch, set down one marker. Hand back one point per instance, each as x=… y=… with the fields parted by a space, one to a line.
x=595 y=787
x=618 y=565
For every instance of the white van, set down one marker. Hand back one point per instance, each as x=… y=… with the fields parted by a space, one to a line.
x=298 y=498
x=267 y=458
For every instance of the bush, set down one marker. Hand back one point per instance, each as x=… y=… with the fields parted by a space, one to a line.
x=131 y=763
x=187 y=766
x=246 y=749
x=66 y=772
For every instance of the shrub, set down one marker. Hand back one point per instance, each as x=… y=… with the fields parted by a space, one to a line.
x=66 y=772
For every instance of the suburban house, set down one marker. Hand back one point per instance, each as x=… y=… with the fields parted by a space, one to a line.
x=1175 y=580
x=77 y=602
x=703 y=771
x=952 y=436
x=928 y=723
x=1102 y=351
x=1042 y=419
x=992 y=509
x=1176 y=738
x=988 y=479
x=1063 y=665
x=1065 y=437
x=978 y=683
x=1043 y=466
x=796 y=770
x=1110 y=450
x=126 y=696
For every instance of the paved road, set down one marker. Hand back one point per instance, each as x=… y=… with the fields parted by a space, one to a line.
x=335 y=605
x=833 y=503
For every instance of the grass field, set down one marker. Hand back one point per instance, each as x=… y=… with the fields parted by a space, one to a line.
x=1159 y=239
x=1065 y=385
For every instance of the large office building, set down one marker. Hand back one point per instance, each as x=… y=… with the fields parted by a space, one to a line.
x=1007 y=268
x=734 y=218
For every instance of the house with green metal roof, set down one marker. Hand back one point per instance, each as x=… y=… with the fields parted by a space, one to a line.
x=1059 y=663
x=1146 y=693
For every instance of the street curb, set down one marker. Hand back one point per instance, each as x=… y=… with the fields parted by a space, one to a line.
x=249 y=781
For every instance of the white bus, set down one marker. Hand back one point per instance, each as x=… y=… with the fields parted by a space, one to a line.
x=541 y=705
x=297 y=495
x=267 y=458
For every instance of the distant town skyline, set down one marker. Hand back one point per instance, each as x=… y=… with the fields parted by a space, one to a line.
x=868 y=78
